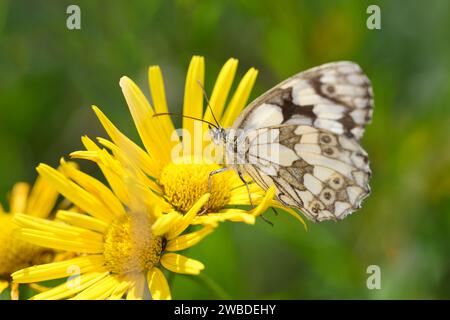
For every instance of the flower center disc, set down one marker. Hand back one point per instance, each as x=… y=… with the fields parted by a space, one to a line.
x=130 y=245
x=184 y=184
x=16 y=254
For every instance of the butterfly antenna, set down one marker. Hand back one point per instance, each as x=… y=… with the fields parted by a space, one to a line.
x=184 y=116
x=207 y=101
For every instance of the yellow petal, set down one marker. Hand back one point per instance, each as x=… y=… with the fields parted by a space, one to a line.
x=38 y=287
x=89 y=144
x=82 y=220
x=57 y=229
x=129 y=164
x=57 y=270
x=3 y=285
x=136 y=291
x=208 y=220
x=193 y=102
x=244 y=199
x=49 y=240
x=165 y=222
x=240 y=98
x=221 y=90
x=80 y=197
x=71 y=286
x=188 y=240
x=135 y=153
x=240 y=189
x=235 y=215
x=111 y=168
x=42 y=199
x=128 y=183
x=14 y=291
x=157 y=284
x=86 y=155
x=149 y=128
x=19 y=197
x=144 y=196
x=94 y=187
x=156 y=83
x=181 y=225
x=265 y=203
x=181 y=264
x=120 y=290
x=292 y=212
x=100 y=290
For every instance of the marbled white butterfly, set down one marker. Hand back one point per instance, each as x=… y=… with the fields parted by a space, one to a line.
x=314 y=122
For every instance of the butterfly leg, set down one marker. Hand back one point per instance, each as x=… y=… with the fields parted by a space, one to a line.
x=247 y=187
x=250 y=197
x=274 y=211
x=211 y=174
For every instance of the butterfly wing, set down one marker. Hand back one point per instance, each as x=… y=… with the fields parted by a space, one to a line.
x=303 y=137
x=336 y=96
x=321 y=173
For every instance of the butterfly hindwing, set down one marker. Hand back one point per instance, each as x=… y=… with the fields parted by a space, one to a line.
x=323 y=174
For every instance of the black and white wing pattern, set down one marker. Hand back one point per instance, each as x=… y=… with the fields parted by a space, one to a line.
x=323 y=174
x=303 y=137
x=336 y=97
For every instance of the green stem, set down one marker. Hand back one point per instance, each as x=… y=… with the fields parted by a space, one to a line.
x=211 y=285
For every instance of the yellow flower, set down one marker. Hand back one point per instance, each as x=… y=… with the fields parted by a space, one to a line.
x=16 y=254
x=122 y=241
x=182 y=179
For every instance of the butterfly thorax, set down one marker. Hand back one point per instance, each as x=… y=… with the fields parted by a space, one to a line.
x=218 y=135
x=229 y=142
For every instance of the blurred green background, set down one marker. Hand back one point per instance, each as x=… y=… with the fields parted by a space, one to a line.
x=49 y=77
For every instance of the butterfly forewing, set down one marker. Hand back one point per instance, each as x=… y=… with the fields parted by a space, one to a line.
x=303 y=137
x=336 y=97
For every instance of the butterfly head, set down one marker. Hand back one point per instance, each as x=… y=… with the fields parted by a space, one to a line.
x=218 y=135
